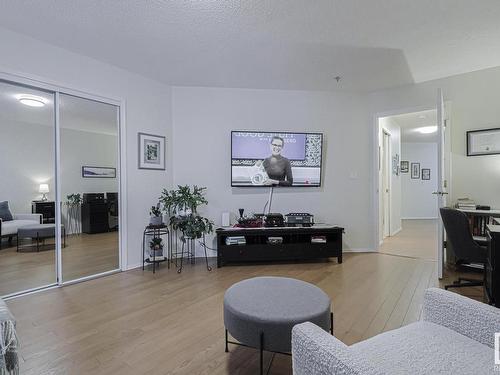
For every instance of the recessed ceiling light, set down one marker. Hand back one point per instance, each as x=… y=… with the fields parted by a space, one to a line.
x=32 y=100
x=427 y=129
x=423 y=117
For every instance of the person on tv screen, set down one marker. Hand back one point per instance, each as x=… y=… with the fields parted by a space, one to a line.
x=277 y=167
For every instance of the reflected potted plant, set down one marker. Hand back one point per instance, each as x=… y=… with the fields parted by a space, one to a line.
x=156 y=248
x=156 y=216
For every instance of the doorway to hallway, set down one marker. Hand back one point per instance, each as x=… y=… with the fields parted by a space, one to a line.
x=417 y=239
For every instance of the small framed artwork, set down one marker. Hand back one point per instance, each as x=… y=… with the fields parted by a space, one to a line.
x=405 y=166
x=415 y=170
x=483 y=142
x=395 y=164
x=98 y=172
x=426 y=174
x=151 y=151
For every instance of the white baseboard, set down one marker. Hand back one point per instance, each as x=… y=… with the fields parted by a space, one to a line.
x=396 y=231
x=131 y=267
x=358 y=251
x=419 y=218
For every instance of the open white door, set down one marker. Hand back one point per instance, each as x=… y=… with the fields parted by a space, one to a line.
x=441 y=192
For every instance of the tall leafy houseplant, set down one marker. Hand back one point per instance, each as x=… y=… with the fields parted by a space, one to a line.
x=182 y=207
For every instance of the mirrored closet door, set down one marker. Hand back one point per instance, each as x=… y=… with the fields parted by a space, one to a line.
x=89 y=174
x=27 y=188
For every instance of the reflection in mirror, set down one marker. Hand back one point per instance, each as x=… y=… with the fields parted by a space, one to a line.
x=27 y=189
x=89 y=187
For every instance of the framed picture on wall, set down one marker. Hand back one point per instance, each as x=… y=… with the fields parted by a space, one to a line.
x=415 y=170
x=98 y=172
x=483 y=142
x=395 y=164
x=405 y=166
x=426 y=174
x=151 y=151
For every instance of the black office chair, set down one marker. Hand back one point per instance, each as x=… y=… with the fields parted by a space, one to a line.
x=466 y=250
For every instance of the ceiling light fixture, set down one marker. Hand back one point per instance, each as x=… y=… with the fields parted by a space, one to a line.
x=32 y=100
x=427 y=129
x=422 y=117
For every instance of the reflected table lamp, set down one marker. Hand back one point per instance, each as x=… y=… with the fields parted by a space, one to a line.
x=44 y=190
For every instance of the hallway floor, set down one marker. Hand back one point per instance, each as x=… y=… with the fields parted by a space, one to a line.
x=417 y=239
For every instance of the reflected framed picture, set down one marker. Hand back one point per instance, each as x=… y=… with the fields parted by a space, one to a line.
x=151 y=151
x=98 y=172
x=415 y=170
x=426 y=174
x=405 y=166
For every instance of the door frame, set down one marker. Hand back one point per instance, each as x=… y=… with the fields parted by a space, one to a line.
x=376 y=161
x=57 y=88
x=385 y=164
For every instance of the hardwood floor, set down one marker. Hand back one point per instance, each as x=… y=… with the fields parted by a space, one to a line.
x=417 y=239
x=84 y=255
x=139 y=323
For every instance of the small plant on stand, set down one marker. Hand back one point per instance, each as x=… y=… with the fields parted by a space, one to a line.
x=156 y=216
x=156 y=248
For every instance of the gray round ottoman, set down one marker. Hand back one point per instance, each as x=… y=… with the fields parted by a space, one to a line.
x=261 y=312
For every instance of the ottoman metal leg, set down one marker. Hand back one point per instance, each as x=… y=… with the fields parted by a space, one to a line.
x=331 y=323
x=262 y=353
x=227 y=348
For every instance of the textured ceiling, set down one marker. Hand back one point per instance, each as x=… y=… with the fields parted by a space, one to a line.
x=289 y=44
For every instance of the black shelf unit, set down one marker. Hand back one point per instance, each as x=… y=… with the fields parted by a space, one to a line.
x=492 y=271
x=296 y=244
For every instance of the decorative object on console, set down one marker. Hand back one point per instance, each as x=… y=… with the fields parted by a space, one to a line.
x=98 y=172
x=274 y=220
x=44 y=190
x=415 y=170
x=404 y=166
x=156 y=217
x=151 y=151
x=426 y=174
x=299 y=219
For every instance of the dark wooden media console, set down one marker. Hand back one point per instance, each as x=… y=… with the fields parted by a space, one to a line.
x=296 y=244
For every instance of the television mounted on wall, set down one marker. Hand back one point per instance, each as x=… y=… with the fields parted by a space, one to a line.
x=280 y=159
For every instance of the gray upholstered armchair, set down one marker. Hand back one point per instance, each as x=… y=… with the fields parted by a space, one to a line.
x=455 y=336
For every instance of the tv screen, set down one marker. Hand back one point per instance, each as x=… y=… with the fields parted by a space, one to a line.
x=275 y=158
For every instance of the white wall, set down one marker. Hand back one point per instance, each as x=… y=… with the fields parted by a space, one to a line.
x=204 y=117
x=148 y=109
x=417 y=201
x=391 y=127
x=31 y=162
x=474 y=105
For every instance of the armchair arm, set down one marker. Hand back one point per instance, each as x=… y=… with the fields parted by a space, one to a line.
x=34 y=217
x=466 y=316
x=316 y=352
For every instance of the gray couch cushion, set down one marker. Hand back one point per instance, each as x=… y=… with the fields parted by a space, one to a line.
x=5 y=213
x=273 y=305
x=426 y=348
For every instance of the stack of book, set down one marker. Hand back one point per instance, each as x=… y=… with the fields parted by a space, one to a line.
x=236 y=240
x=466 y=204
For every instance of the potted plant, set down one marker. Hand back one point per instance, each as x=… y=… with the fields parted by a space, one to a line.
x=156 y=217
x=156 y=248
x=182 y=204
